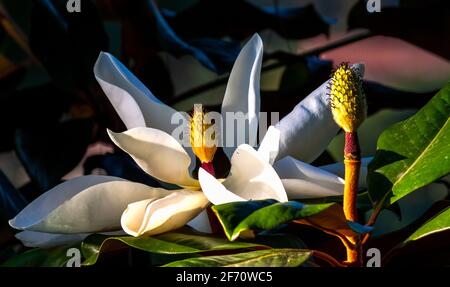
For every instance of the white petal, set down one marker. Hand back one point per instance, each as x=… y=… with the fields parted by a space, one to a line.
x=81 y=205
x=302 y=180
x=134 y=103
x=300 y=189
x=152 y=217
x=214 y=190
x=47 y=240
x=251 y=178
x=201 y=222
x=339 y=170
x=242 y=93
x=157 y=153
x=308 y=129
x=270 y=145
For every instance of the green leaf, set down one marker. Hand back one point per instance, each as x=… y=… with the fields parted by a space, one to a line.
x=279 y=240
x=438 y=223
x=237 y=217
x=168 y=243
x=260 y=258
x=39 y=257
x=412 y=153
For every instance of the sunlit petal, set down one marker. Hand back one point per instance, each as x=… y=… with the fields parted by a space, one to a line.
x=155 y=216
x=82 y=205
x=157 y=153
x=251 y=178
x=134 y=103
x=214 y=190
x=302 y=180
x=242 y=94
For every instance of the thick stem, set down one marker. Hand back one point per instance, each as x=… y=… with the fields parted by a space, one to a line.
x=351 y=189
x=354 y=255
x=352 y=162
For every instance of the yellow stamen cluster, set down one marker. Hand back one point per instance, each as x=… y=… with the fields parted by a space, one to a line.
x=203 y=139
x=347 y=99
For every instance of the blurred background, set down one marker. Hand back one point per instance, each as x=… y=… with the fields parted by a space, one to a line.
x=54 y=115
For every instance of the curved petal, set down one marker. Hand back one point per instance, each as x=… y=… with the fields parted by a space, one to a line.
x=157 y=153
x=47 y=240
x=201 y=222
x=268 y=149
x=84 y=204
x=134 y=103
x=339 y=170
x=214 y=190
x=308 y=129
x=302 y=180
x=242 y=94
x=251 y=178
x=301 y=189
x=155 y=216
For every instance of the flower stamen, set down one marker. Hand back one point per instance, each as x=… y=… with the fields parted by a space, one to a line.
x=203 y=138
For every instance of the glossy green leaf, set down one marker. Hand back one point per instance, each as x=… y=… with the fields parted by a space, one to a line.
x=237 y=217
x=412 y=153
x=40 y=257
x=438 y=223
x=260 y=258
x=168 y=243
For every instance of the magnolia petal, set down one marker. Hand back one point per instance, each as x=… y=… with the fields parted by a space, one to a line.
x=242 y=94
x=302 y=180
x=214 y=190
x=134 y=103
x=339 y=170
x=201 y=222
x=155 y=216
x=302 y=189
x=269 y=147
x=47 y=240
x=157 y=153
x=251 y=178
x=308 y=129
x=81 y=205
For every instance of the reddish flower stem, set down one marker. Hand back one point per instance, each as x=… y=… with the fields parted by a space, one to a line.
x=352 y=162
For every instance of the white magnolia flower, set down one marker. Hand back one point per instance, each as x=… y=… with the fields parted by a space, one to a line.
x=91 y=204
